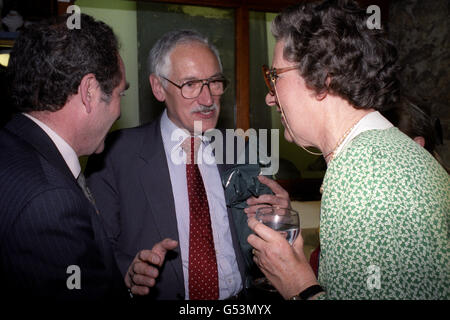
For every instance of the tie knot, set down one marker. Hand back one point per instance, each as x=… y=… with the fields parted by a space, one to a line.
x=191 y=145
x=81 y=180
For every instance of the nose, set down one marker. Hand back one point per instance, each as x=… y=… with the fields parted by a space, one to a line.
x=205 y=98
x=271 y=100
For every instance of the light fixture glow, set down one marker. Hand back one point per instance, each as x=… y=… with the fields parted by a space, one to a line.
x=4 y=59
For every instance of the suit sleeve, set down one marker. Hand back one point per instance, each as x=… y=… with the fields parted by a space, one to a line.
x=52 y=233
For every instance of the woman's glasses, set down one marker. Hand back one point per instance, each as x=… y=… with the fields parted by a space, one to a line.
x=271 y=76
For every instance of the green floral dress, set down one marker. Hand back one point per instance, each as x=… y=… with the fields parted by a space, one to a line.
x=384 y=224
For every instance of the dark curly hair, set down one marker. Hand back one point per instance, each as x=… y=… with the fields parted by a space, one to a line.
x=414 y=119
x=412 y=116
x=330 y=40
x=49 y=60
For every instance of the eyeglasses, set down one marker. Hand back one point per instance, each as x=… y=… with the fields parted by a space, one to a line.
x=191 y=89
x=271 y=76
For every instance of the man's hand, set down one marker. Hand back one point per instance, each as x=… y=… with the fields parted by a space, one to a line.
x=280 y=198
x=143 y=271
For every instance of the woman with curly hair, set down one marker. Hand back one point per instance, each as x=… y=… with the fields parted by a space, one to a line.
x=384 y=223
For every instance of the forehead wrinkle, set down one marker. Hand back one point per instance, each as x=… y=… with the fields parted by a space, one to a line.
x=191 y=78
x=188 y=66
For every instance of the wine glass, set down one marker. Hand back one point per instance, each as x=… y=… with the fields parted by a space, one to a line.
x=284 y=220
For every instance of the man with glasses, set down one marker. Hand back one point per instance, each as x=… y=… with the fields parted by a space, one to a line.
x=147 y=198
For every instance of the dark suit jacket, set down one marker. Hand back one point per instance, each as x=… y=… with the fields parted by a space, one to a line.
x=131 y=184
x=47 y=224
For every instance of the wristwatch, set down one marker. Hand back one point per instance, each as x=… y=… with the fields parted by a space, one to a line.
x=308 y=293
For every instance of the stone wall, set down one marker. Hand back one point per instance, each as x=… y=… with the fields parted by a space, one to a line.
x=420 y=30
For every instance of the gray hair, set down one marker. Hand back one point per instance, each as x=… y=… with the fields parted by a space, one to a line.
x=158 y=58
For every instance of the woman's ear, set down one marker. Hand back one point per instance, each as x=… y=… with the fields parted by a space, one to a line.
x=420 y=140
x=157 y=88
x=322 y=95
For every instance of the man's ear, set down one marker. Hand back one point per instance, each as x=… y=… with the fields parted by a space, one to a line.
x=420 y=140
x=157 y=88
x=87 y=89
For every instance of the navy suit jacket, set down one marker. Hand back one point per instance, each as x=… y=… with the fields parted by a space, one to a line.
x=47 y=224
x=131 y=184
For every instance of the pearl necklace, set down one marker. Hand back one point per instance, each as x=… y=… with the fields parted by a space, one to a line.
x=338 y=144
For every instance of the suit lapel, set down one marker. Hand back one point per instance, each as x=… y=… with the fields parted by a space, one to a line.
x=155 y=180
x=30 y=132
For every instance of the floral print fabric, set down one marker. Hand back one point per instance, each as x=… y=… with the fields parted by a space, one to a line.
x=384 y=229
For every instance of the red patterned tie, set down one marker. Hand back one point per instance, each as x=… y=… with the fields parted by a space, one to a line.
x=203 y=278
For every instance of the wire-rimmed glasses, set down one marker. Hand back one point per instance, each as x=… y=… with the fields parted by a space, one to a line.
x=191 y=89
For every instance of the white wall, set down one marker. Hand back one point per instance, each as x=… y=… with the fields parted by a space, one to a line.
x=121 y=16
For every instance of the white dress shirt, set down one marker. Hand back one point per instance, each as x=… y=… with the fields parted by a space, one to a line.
x=68 y=154
x=230 y=282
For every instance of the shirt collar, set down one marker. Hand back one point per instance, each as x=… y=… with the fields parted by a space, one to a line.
x=66 y=151
x=371 y=121
x=168 y=128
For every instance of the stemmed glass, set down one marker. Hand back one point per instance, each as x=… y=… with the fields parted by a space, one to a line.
x=284 y=220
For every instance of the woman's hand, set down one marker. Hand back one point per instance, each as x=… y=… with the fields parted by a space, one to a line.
x=280 y=198
x=284 y=265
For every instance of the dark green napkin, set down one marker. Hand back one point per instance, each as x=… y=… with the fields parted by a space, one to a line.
x=240 y=183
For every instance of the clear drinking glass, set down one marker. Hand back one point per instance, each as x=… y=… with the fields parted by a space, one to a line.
x=284 y=220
